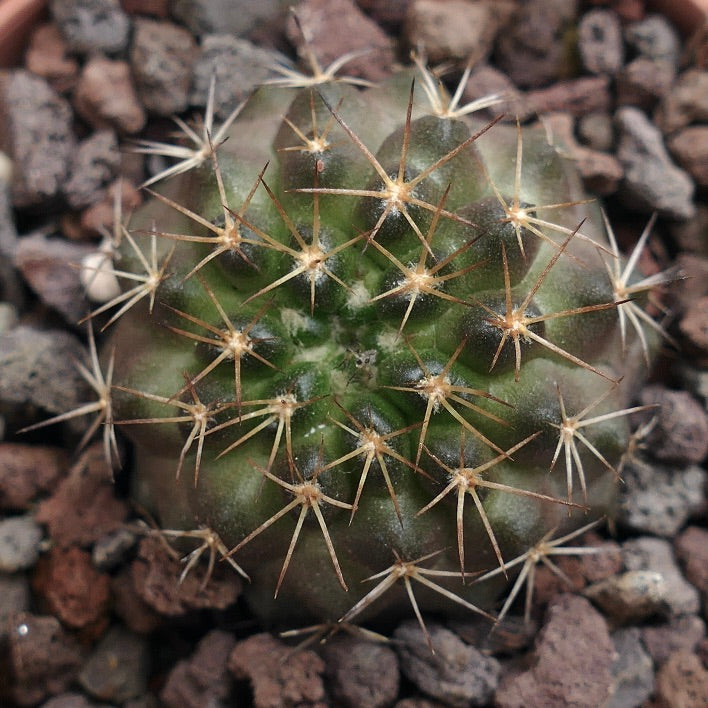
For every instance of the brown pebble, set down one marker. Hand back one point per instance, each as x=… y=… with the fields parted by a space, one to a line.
x=27 y=471
x=682 y=682
x=48 y=56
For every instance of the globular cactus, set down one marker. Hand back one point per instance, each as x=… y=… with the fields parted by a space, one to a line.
x=365 y=335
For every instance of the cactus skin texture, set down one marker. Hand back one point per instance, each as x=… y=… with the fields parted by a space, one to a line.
x=364 y=332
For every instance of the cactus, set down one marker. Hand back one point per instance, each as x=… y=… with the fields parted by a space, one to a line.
x=366 y=336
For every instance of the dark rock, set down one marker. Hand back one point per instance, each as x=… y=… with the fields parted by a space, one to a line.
x=237 y=65
x=161 y=58
x=600 y=42
x=689 y=147
x=73 y=590
x=455 y=30
x=94 y=165
x=572 y=661
x=225 y=16
x=652 y=182
x=632 y=670
x=48 y=56
x=682 y=681
x=37 y=372
x=92 y=25
x=202 y=679
x=336 y=27
x=679 y=634
x=681 y=433
x=26 y=471
x=41 y=156
x=84 y=507
x=658 y=499
x=43 y=658
x=137 y=615
x=576 y=96
x=154 y=8
x=106 y=97
x=14 y=598
x=686 y=102
x=361 y=674
x=643 y=82
x=277 y=677
x=117 y=668
x=531 y=49
x=385 y=12
x=20 y=537
x=456 y=674
x=655 y=554
x=48 y=265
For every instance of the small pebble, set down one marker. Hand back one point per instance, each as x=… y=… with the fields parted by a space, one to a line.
x=457 y=674
x=362 y=674
x=632 y=670
x=92 y=25
x=48 y=56
x=683 y=633
x=652 y=182
x=93 y=166
x=600 y=42
x=692 y=550
x=655 y=37
x=643 y=82
x=117 y=669
x=225 y=16
x=689 y=147
x=20 y=537
x=161 y=57
x=682 y=682
x=659 y=499
x=686 y=102
x=105 y=96
x=681 y=433
x=595 y=130
x=630 y=597
x=14 y=598
x=110 y=550
x=655 y=554
x=578 y=97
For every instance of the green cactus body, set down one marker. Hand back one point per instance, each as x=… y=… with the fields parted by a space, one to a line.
x=370 y=344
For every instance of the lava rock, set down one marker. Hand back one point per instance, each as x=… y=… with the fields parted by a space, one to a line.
x=683 y=633
x=28 y=105
x=655 y=554
x=682 y=681
x=643 y=82
x=577 y=96
x=94 y=165
x=686 y=102
x=105 y=96
x=203 y=679
x=161 y=57
x=652 y=182
x=630 y=597
x=692 y=550
x=690 y=149
x=92 y=25
x=48 y=56
x=276 y=682
x=361 y=674
x=572 y=661
x=600 y=42
x=632 y=670
x=655 y=37
x=225 y=16
x=456 y=674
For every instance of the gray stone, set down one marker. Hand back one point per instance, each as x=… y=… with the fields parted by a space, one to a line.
x=92 y=25
x=226 y=16
x=630 y=597
x=643 y=82
x=117 y=668
x=94 y=165
x=29 y=107
x=655 y=554
x=600 y=42
x=48 y=265
x=457 y=674
x=110 y=550
x=632 y=671
x=237 y=65
x=679 y=634
x=657 y=499
x=37 y=371
x=652 y=182
x=14 y=598
x=595 y=130
x=362 y=674
x=161 y=58
x=20 y=537
x=655 y=37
